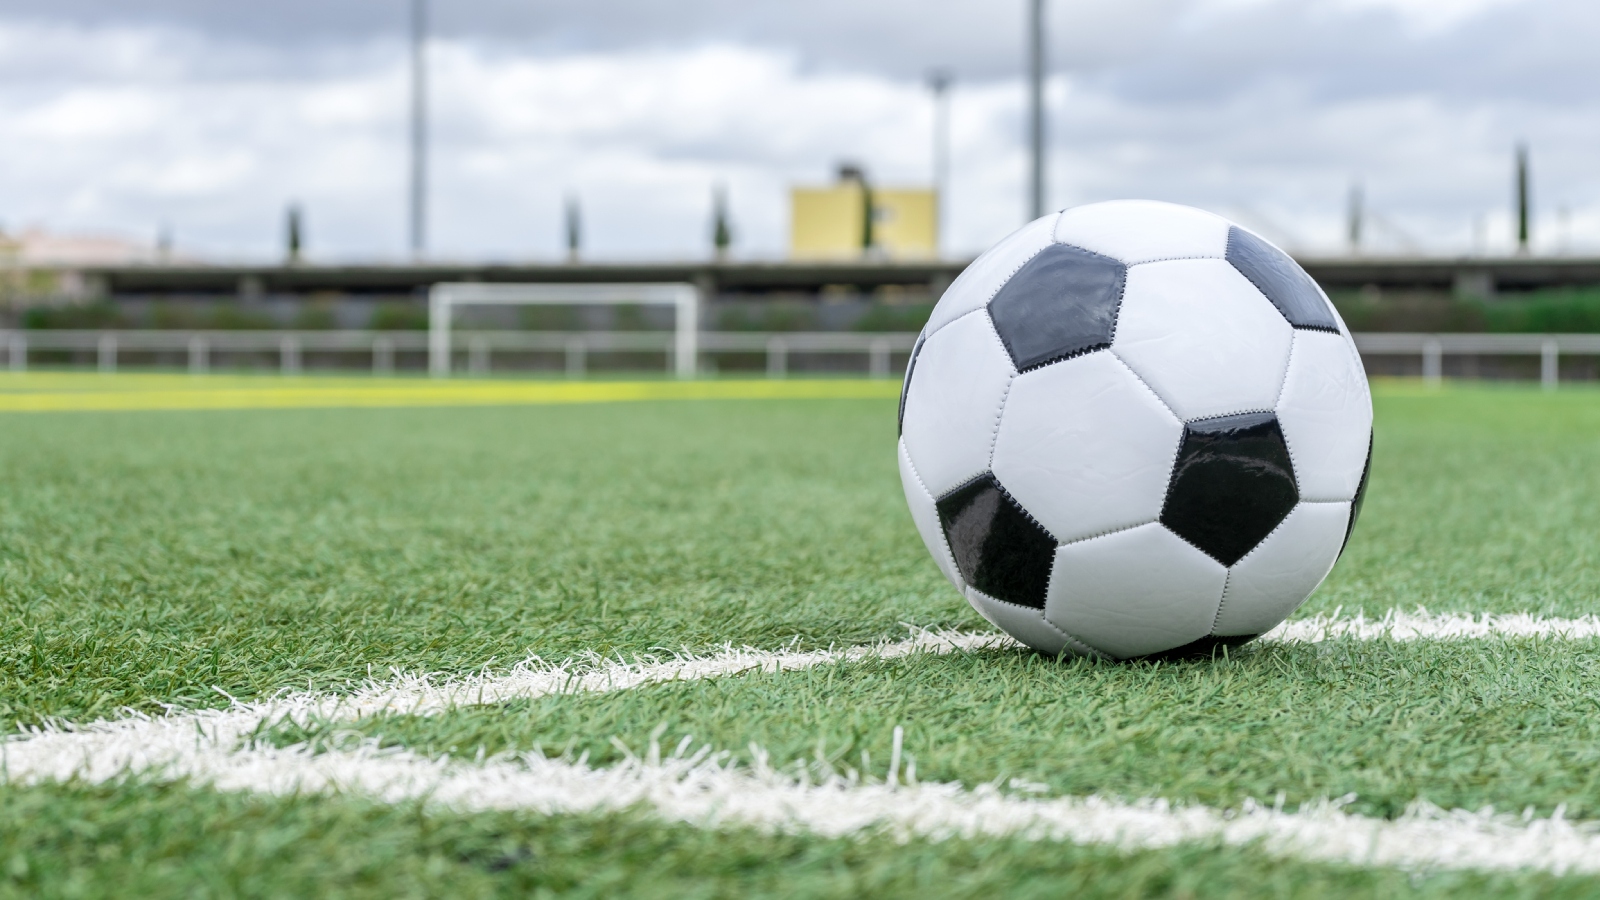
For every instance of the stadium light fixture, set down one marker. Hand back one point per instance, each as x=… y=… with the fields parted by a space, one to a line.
x=683 y=298
x=419 y=128
x=1356 y=214
x=939 y=83
x=1036 y=66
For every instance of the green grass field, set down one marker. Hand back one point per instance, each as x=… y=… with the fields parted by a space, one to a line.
x=171 y=558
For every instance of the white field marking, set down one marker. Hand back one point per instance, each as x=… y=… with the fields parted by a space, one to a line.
x=712 y=793
x=216 y=747
x=142 y=743
x=1422 y=625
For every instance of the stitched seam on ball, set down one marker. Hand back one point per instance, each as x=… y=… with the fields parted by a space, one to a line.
x=1227 y=579
x=1282 y=391
x=1024 y=510
x=1294 y=341
x=1116 y=315
x=1172 y=463
x=1258 y=411
x=1108 y=531
x=1199 y=550
x=944 y=540
x=1049 y=624
x=1066 y=356
x=1146 y=384
x=1071 y=638
x=929 y=335
x=1160 y=259
x=994 y=434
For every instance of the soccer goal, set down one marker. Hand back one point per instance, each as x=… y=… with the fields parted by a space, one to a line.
x=444 y=298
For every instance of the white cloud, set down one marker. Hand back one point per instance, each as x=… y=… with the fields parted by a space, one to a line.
x=1266 y=109
x=1431 y=15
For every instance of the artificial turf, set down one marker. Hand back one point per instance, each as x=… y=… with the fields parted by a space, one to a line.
x=1463 y=724
x=152 y=558
x=138 y=840
x=147 y=558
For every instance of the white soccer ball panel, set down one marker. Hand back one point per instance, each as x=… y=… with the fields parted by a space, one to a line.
x=1281 y=572
x=1203 y=338
x=1136 y=231
x=1024 y=624
x=1326 y=414
x=1134 y=592
x=979 y=281
x=1085 y=447
x=953 y=403
x=926 y=517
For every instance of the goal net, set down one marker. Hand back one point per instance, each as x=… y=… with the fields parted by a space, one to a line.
x=443 y=299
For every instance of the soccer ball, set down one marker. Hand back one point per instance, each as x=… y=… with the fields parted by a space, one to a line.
x=1134 y=428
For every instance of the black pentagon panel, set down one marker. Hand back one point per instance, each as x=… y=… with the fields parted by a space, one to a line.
x=1361 y=496
x=905 y=386
x=1287 y=285
x=1062 y=303
x=998 y=547
x=1232 y=484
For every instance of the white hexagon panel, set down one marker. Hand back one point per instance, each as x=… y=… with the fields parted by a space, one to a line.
x=953 y=401
x=1135 y=592
x=1326 y=411
x=926 y=518
x=1085 y=447
x=1281 y=572
x=1203 y=337
x=1140 y=231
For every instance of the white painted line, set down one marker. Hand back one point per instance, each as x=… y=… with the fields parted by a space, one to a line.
x=423 y=695
x=709 y=793
x=215 y=747
x=1422 y=625
x=142 y=743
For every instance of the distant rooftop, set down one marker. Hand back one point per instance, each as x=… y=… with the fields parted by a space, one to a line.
x=38 y=247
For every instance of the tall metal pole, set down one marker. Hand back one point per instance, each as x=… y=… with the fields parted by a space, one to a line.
x=1523 y=201
x=1357 y=213
x=1036 y=107
x=419 y=128
x=939 y=83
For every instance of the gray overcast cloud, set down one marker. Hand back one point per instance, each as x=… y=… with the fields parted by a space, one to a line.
x=119 y=115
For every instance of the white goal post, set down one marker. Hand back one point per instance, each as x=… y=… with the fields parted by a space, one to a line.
x=444 y=298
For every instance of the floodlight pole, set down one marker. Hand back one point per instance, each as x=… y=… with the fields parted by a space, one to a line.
x=1036 y=66
x=939 y=82
x=1356 y=215
x=419 y=128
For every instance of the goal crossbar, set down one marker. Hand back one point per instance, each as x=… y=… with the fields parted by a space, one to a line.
x=683 y=298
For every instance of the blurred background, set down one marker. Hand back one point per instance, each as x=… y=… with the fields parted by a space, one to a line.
x=186 y=134
x=203 y=121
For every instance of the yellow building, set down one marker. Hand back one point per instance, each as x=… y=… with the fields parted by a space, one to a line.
x=852 y=219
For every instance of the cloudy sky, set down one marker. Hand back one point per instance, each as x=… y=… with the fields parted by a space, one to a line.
x=121 y=116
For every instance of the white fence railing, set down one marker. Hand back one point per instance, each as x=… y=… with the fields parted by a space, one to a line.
x=474 y=350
